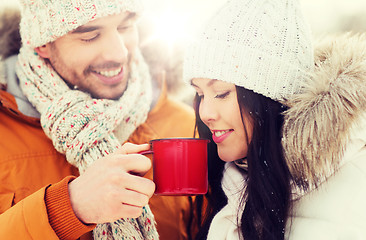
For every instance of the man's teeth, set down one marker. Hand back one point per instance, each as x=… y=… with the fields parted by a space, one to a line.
x=110 y=73
x=220 y=133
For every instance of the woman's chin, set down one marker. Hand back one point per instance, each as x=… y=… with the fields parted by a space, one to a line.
x=229 y=156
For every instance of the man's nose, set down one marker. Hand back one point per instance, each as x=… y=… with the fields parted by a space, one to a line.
x=115 y=49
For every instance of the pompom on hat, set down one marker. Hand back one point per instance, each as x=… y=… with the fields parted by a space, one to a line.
x=261 y=45
x=43 y=21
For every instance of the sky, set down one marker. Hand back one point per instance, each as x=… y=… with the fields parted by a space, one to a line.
x=333 y=15
x=171 y=22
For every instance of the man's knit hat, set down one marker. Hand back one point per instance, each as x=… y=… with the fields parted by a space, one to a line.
x=43 y=21
x=262 y=45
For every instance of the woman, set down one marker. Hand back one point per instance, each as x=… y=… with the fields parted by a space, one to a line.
x=251 y=70
x=248 y=134
x=247 y=46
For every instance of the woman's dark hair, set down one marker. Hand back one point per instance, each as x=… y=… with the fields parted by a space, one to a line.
x=267 y=196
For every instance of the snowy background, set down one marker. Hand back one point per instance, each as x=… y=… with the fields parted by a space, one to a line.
x=172 y=22
x=168 y=24
x=175 y=19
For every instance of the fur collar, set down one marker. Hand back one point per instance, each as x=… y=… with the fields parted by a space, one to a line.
x=2 y=75
x=9 y=29
x=318 y=124
x=9 y=36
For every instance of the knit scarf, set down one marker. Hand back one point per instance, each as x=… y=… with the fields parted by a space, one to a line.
x=86 y=129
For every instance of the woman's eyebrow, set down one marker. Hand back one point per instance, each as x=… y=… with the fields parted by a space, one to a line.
x=210 y=83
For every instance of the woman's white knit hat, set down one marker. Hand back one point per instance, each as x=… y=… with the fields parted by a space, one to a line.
x=43 y=21
x=262 y=45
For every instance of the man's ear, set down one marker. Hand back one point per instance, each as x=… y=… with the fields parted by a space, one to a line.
x=43 y=51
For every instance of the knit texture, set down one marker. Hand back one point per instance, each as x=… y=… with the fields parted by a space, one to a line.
x=84 y=128
x=44 y=21
x=262 y=45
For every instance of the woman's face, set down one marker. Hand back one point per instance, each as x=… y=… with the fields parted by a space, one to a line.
x=219 y=110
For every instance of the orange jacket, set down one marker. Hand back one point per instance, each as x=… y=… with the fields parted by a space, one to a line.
x=34 y=200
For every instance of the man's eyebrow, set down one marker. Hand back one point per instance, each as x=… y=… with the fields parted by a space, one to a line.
x=131 y=15
x=85 y=29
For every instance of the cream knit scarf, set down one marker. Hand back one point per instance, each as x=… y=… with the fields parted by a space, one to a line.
x=85 y=129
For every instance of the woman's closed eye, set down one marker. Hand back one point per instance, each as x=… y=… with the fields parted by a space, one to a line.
x=223 y=95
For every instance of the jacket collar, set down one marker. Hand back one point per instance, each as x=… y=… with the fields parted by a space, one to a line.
x=14 y=88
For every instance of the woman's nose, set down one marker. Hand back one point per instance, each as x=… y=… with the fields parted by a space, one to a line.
x=208 y=111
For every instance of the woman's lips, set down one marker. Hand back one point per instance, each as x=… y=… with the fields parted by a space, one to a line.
x=219 y=136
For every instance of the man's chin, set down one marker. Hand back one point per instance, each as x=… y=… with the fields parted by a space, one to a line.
x=99 y=90
x=111 y=94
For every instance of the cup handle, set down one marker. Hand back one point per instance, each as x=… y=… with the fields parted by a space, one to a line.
x=146 y=152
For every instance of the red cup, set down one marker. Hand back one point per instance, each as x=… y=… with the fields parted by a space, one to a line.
x=180 y=166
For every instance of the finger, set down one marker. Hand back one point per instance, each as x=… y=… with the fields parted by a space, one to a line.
x=129 y=148
x=129 y=211
x=133 y=198
x=139 y=185
x=134 y=163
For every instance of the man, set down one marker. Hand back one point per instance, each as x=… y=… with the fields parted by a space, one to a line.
x=77 y=91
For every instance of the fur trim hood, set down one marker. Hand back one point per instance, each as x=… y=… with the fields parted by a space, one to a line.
x=319 y=121
x=9 y=35
x=9 y=30
x=2 y=75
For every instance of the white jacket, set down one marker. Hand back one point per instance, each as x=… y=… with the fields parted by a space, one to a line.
x=336 y=210
x=324 y=139
x=325 y=145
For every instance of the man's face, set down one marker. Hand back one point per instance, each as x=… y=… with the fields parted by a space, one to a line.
x=96 y=57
